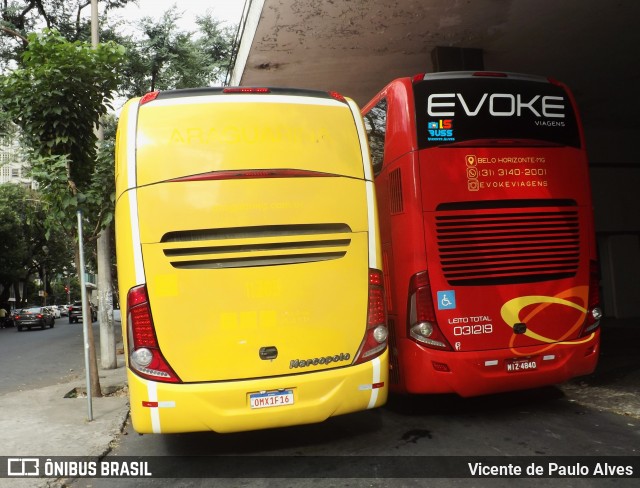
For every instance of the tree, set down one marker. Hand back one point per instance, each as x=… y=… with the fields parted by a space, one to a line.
x=57 y=98
x=13 y=244
x=161 y=57
x=24 y=249
x=19 y=18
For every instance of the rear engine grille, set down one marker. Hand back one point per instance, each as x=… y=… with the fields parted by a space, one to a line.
x=485 y=246
x=240 y=247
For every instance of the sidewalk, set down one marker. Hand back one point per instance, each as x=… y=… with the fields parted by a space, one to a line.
x=50 y=422
x=42 y=422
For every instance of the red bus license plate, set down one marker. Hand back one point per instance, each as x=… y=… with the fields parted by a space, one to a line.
x=268 y=399
x=516 y=365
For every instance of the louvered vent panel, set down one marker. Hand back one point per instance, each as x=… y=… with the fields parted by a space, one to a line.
x=241 y=247
x=491 y=246
x=395 y=192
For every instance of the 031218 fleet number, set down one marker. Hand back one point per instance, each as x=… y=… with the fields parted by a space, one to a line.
x=475 y=329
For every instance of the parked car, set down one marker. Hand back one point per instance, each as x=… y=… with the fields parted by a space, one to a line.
x=75 y=312
x=33 y=317
x=64 y=310
x=54 y=310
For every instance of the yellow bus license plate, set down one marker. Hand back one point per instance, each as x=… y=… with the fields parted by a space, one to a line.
x=267 y=399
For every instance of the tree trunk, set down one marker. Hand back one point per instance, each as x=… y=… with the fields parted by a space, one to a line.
x=108 y=358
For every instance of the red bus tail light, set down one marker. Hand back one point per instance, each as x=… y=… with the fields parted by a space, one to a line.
x=375 y=339
x=421 y=323
x=594 y=312
x=149 y=97
x=337 y=96
x=245 y=90
x=145 y=357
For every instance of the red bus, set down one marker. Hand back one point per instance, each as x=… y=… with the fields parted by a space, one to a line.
x=487 y=232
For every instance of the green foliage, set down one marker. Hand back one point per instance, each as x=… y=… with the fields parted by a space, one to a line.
x=24 y=248
x=71 y=18
x=101 y=192
x=57 y=97
x=51 y=174
x=162 y=57
x=13 y=247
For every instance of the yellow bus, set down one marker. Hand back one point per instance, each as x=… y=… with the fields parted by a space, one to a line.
x=249 y=258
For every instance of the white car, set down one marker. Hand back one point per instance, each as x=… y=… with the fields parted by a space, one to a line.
x=55 y=311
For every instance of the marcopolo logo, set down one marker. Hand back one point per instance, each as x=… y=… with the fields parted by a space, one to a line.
x=305 y=363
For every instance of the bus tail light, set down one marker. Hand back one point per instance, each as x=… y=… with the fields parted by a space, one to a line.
x=337 y=96
x=375 y=339
x=422 y=325
x=246 y=89
x=594 y=312
x=149 y=97
x=145 y=357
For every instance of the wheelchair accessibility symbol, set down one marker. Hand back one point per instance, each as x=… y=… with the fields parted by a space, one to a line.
x=446 y=300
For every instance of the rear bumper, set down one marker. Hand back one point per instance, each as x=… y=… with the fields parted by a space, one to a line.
x=224 y=406
x=32 y=323
x=485 y=372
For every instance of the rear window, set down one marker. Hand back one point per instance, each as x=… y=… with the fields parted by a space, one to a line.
x=190 y=136
x=468 y=110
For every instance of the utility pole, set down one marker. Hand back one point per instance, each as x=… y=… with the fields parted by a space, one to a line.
x=108 y=358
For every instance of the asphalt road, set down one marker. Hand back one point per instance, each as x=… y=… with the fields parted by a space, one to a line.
x=35 y=358
x=417 y=435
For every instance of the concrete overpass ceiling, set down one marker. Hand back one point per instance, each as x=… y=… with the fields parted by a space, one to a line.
x=357 y=46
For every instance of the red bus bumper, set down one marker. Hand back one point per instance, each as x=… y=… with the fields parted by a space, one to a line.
x=468 y=374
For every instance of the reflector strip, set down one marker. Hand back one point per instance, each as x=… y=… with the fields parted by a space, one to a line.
x=375 y=364
x=152 y=392
x=371 y=387
x=159 y=404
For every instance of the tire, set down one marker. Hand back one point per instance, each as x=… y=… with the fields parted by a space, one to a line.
x=19 y=328
x=52 y=323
